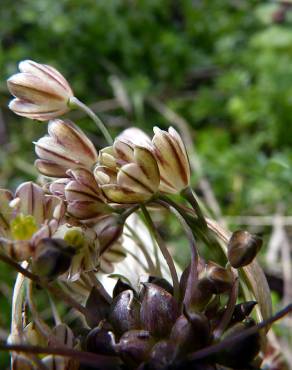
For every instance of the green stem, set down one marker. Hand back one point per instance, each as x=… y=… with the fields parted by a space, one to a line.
x=76 y=103
x=229 y=310
x=163 y=250
x=189 y=195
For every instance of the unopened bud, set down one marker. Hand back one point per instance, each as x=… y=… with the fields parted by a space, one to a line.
x=125 y=312
x=242 y=248
x=158 y=310
x=52 y=258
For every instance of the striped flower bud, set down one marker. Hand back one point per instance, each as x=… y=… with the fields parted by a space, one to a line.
x=85 y=199
x=40 y=91
x=127 y=173
x=172 y=160
x=66 y=147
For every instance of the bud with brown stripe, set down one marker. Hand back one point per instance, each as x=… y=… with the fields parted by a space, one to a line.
x=40 y=91
x=66 y=147
x=172 y=160
x=127 y=173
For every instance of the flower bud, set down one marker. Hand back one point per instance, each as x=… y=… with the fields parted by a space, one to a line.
x=134 y=346
x=101 y=341
x=158 y=310
x=52 y=258
x=40 y=91
x=66 y=147
x=108 y=229
x=125 y=312
x=84 y=198
x=242 y=248
x=126 y=174
x=172 y=159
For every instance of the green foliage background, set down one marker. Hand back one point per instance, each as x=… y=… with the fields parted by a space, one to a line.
x=223 y=65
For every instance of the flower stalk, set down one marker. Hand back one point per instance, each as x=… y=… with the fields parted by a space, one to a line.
x=163 y=250
x=76 y=103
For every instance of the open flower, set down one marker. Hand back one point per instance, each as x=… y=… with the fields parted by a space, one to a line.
x=127 y=173
x=66 y=147
x=26 y=218
x=40 y=91
x=172 y=160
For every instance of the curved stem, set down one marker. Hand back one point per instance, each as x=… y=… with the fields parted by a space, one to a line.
x=229 y=310
x=189 y=195
x=76 y=103
x=17 y=303
x=43 y=328
x=89 y=358
x=163 y=250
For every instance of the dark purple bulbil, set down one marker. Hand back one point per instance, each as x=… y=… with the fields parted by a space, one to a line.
x=151 y=330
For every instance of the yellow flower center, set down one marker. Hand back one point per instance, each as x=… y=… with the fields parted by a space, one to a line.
x=23 y=227
x=74 y=238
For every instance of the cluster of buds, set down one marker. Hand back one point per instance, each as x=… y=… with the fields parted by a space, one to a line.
x=72 y=230
x=150 y=329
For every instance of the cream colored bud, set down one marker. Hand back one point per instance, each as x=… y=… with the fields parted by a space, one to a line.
x=172 y=160
x=66 y=147
x=136 y=181
x=40 y=91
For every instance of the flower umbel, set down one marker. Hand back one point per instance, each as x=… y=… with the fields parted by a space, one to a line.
x=40 y=91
